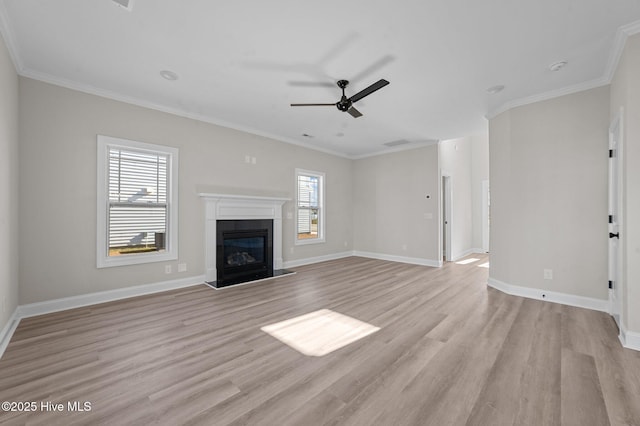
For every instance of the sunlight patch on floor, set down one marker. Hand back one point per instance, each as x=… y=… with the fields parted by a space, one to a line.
x=467 y=261
x=484 y=265
x=319 y=333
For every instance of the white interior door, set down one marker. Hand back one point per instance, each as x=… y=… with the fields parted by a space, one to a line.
x=486 y=215
x=615 y=219
x=446 y=217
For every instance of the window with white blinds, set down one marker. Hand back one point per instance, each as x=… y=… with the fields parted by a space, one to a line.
x=309 y=211
x=136 y=209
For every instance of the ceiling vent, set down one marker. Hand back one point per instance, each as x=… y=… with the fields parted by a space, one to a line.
x=396 y=143
x=125 y=4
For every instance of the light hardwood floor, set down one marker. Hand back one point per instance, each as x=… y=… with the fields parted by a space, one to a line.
x=450 y=351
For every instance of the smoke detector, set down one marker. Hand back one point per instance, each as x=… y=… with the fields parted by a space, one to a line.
x=125 y=4
x=557 y=66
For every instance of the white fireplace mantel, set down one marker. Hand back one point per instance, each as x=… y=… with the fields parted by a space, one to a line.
x=239 y=207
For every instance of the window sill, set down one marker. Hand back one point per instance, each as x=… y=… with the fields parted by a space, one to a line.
x=135 y=259
x=308 y=241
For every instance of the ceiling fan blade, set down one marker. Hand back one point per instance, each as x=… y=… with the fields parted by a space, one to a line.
x=354 y=112
x=369 y=90
x=313 y=104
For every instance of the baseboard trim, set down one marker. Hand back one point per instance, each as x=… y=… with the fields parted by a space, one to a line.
x=370 y=255
x=317 y=259
x=56 y=305
x=550 y=296
x=402 y=259
x=455 y=258
x=8 y=330
x=629 y=339
x=63 y=304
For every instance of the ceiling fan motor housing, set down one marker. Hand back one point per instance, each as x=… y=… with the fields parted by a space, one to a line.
x=344 y=104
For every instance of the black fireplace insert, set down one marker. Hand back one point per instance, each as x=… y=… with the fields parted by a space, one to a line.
x=244 y=250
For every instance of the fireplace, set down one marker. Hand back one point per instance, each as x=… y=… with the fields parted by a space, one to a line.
x=244 y=250
x=244 y=260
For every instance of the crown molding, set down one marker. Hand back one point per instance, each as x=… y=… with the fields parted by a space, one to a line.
x=548 y=95
x=622 y=34
x=108 y=94
x=408 y=147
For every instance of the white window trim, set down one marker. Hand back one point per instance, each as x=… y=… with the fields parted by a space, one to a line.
x=323 y=223
x=103 y=260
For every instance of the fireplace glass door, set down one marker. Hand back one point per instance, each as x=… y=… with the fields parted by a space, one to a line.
x=244 y=250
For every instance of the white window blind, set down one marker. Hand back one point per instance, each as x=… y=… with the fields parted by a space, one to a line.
x=137 y=201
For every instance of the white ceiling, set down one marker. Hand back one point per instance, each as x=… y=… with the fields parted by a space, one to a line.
x=241 y=63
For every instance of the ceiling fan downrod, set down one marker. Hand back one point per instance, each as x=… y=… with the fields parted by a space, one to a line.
x=343 y=104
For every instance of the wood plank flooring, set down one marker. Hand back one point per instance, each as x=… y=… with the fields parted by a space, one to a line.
x=450 y=351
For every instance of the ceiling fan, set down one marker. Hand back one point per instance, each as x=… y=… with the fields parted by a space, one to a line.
x=346 y=104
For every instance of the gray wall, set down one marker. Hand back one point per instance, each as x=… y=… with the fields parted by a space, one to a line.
x=479 y=173
x=389 y=204
x=549 y=194
x=8 y=186
x=374 y=205
x=58 y=129
x=625 y=92
x=501 y=197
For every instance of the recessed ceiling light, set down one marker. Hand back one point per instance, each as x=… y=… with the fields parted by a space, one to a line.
x=169 y=75
x=495 y=89
x=307 y=135
x=557 y=66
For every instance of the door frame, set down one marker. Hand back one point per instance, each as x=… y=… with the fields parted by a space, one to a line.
x=615 y=211
x=486 y=203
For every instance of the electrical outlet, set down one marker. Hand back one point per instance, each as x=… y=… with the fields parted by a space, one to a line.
x=548 y=274
x=346 y=244
x=167 y=269
x=182 y=267
x=404 y=247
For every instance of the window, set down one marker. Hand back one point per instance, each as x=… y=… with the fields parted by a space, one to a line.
x=137 y=202
x=310 y=203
